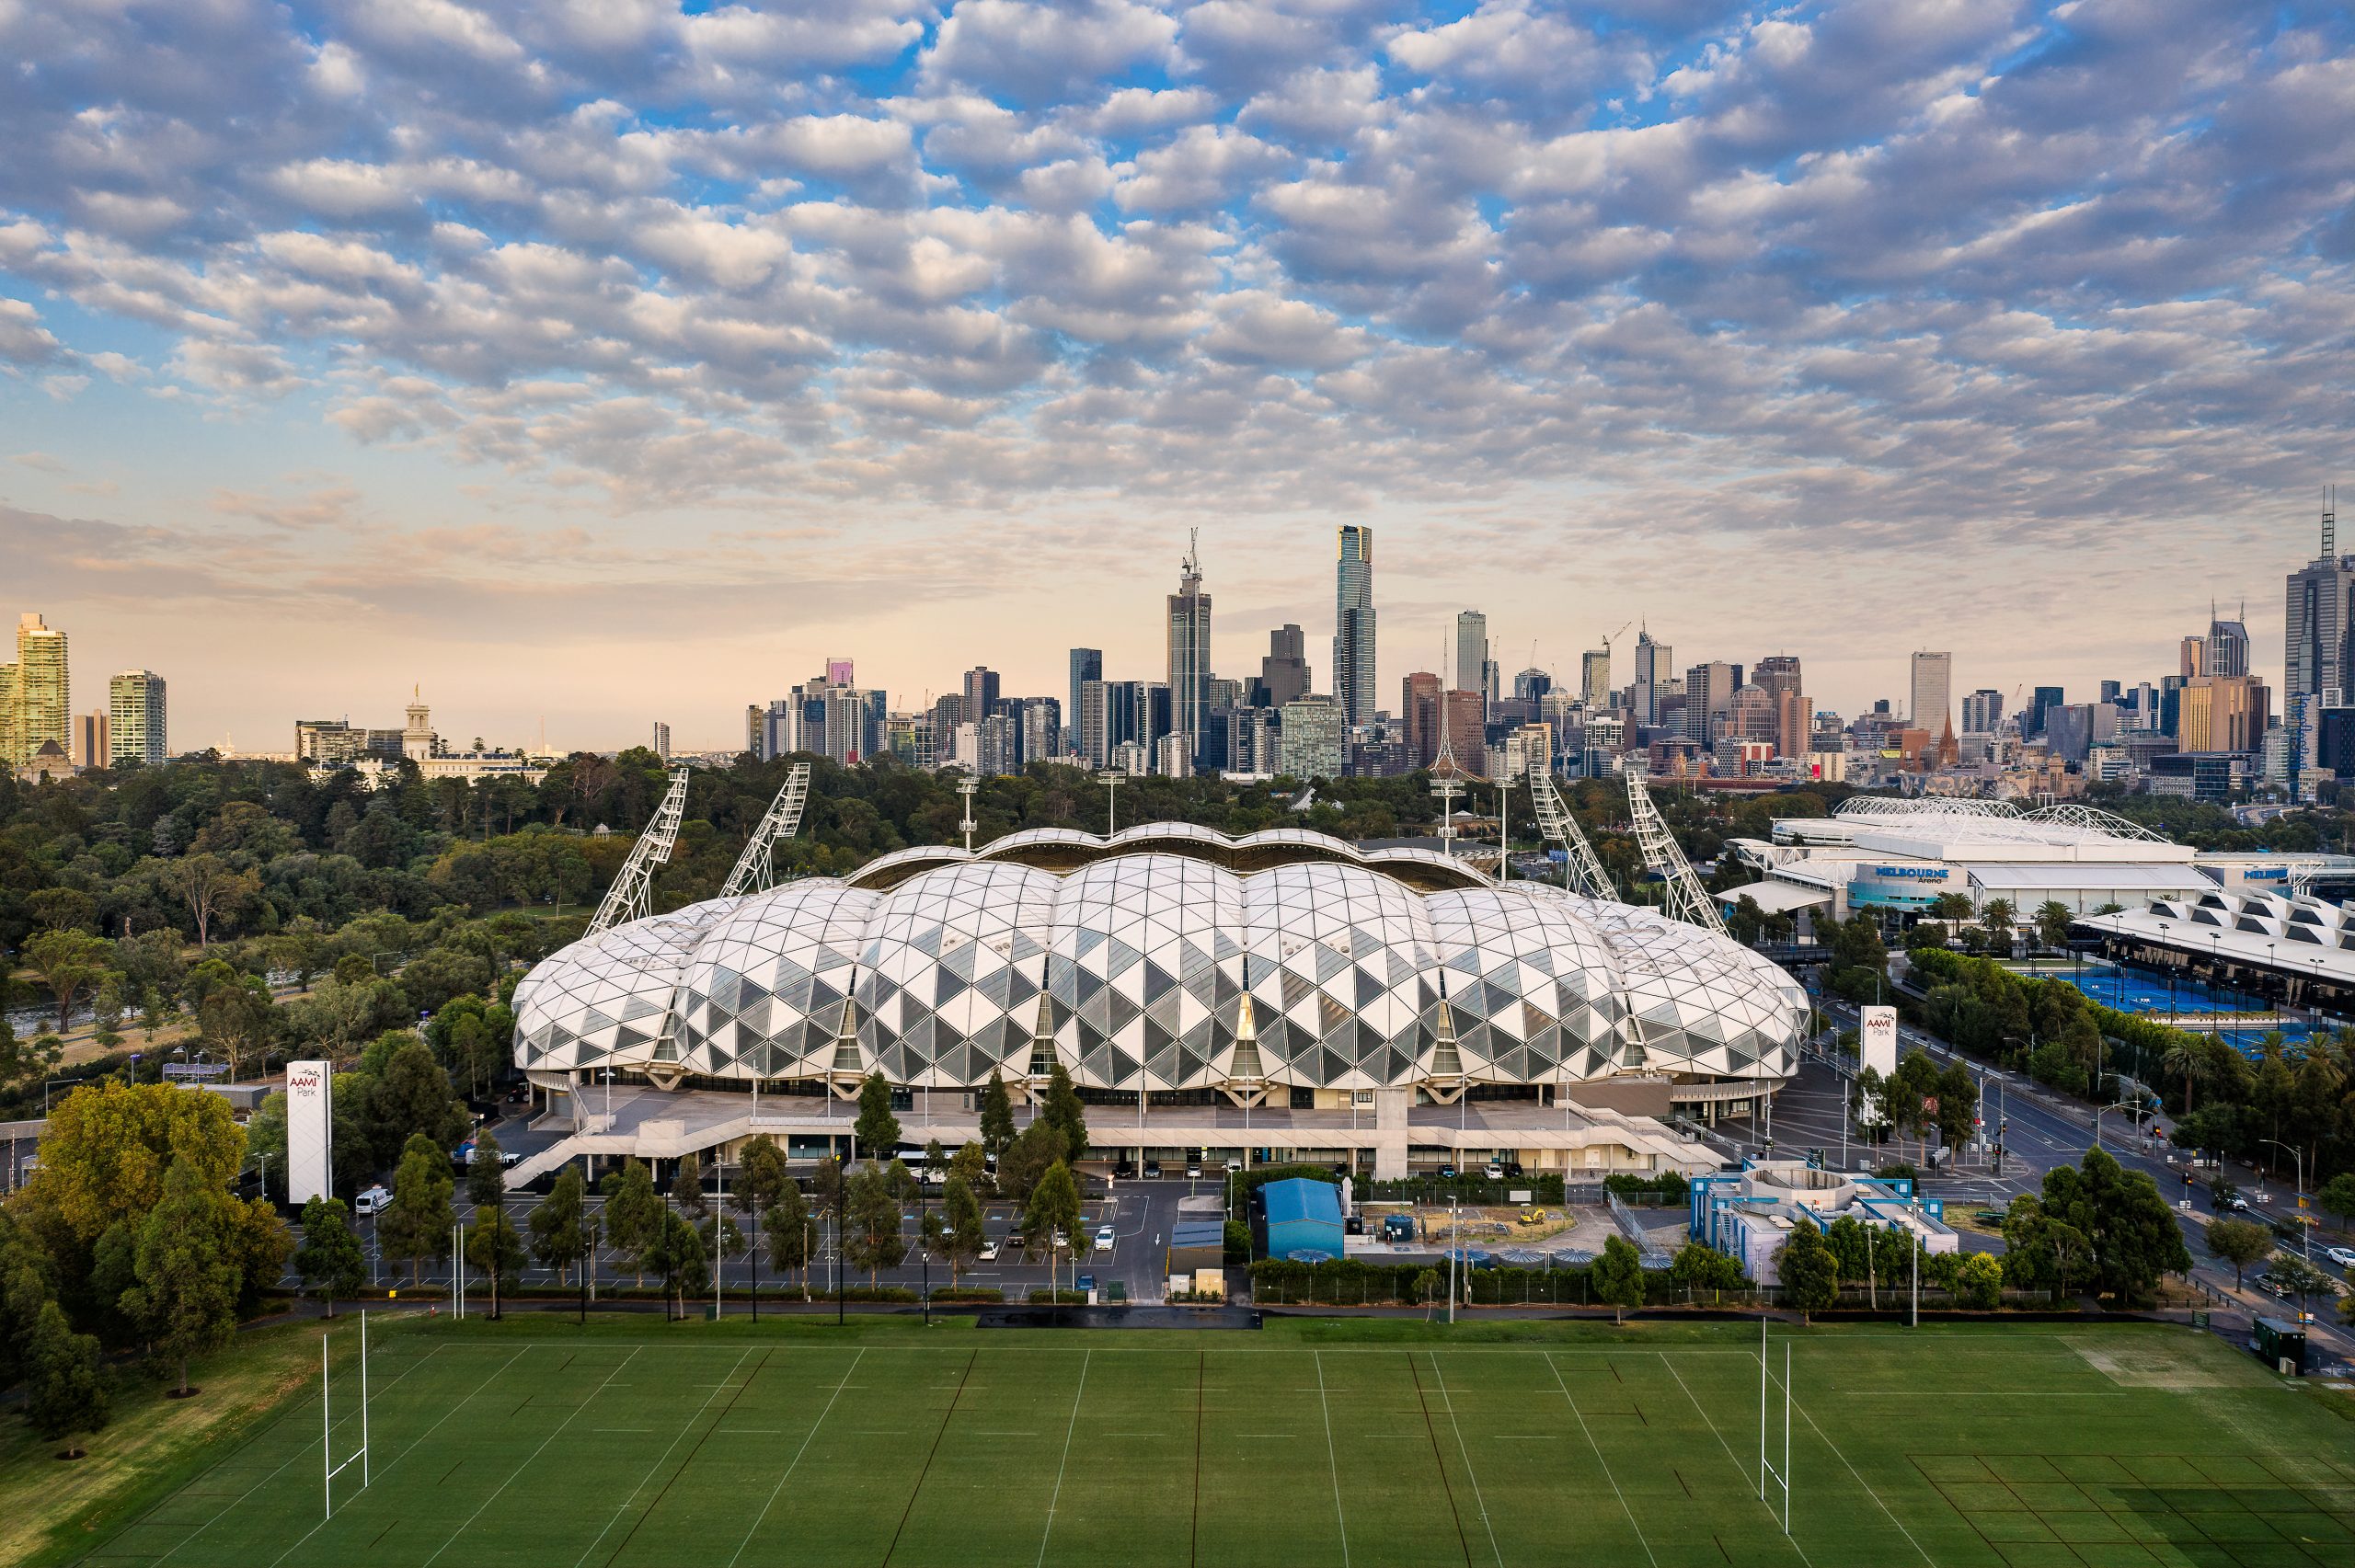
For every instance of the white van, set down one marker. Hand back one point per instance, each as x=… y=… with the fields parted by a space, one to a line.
x=372 y=1200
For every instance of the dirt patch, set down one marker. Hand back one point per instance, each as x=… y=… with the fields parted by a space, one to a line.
x=2149 y=1367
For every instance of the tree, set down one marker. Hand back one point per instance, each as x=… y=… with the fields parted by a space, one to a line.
x=496 y=1247
x=2337 y=1196
x=761 y=1181
x=109 y=1147
x=2290 y=1275
x=1617 y=1276
x=877 y=1130
x=2239 y=1243
x=788 y=1226
x=210 y=889
x=416 y=1225
x=674 y=1254
x=971 y=1164
x=330 y=1253
x=1808 y=1272
x=412 y=1099
x=562 y=1229
x=633 y=1214
x=486 y=1176
x=237 y=1020
x=1053 y=1206
x=686 y=1188
x=872 y=1239
x=997 y=1116
x=1028 y=1158
x=1979 y=1282
x=185 y=1299
x=2052 y=921
x=962 y=1237
x=65 y=1388
x=2125 y=1226
x=71 y=964
x=1060 y=1109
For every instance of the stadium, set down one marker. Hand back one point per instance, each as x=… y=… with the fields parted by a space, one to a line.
x=1171 y=959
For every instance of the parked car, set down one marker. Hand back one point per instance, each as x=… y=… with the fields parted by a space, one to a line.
x=372 y=1200
x=1084 y=1284
x=989 y=1252
x=1104 y=1239
x=1152 y=1170
x=1447 y=1172
x=1193 y=1170
x=1495 y=1172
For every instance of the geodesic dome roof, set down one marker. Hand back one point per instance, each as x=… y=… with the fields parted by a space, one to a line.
x=1134 y=964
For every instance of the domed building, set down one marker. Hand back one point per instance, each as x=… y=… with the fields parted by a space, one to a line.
x=1280 y=969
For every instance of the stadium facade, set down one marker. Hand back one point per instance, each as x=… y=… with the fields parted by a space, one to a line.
x=1283 y=968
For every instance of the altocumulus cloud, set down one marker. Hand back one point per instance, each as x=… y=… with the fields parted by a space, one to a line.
x=1826 y=268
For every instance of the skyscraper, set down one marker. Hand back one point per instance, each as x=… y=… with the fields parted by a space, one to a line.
x=1418 y=711
x=93 y=739
x=1594 y=677
x=1776 y=673
x=838 y=672
x=43 y=691
x=1932 y=699
x=1983 y=711
x=662 y=740
x=136 y=707
x=2227 y=646
x=1190 y=655
x=1283 y=674
x=2194 y=657
x=1709 y=692
x=1353 y=652
x=1472 y=662
x=1086 y=664
x=1655 y=667
x=2319 y=616
x=2045 y=700
x=980 y=694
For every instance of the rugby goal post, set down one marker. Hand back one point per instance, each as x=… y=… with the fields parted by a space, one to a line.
x=327 y=1419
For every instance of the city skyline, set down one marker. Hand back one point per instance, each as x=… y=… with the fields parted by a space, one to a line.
x=604 y=356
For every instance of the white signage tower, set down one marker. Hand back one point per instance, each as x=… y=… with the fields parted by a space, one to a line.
x=310 y=1140
x=1877 y=1037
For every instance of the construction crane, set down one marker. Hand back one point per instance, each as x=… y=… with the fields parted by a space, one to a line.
x=629 y=897
x=754 y=872
x=1582 y=870
x=1685 y=899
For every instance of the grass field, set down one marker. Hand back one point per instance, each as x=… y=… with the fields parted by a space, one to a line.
x=1358 y=1445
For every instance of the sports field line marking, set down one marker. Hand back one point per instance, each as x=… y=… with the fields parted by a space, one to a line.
x=1470 y=1474
x=411 y=1446
x=1056 y=1497
x=1603 y=1461
x=1852 y=1471
x=500 y=1489
x=1333 y=1458
x=932 y=1453
x=663 y=1458
x=1739 y=1468
x=807 y=1438
x=275 y=1469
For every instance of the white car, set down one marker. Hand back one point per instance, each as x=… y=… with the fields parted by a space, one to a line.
x=2342 y=1257
x=989 y=1252
x=1104 y=1238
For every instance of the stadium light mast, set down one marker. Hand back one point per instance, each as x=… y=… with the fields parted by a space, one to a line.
x=754 y=872
x=966 y=786
x=630 y=897
x=1110 y=779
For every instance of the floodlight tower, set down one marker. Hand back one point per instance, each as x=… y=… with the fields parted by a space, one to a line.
x=1685 y=899
x=753 y=873
x=1582 y=870
x=629 y=898
x=1446 y=785
x=1110 y=779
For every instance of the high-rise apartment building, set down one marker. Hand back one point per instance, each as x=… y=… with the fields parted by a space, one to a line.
x=1419 y=713
x=1932 y=707
x=1086 y=664
x=43 y=696
x=1463 y=725
x=10 y=755
x=838 y=672
x=662 y=740
x=1310 y=743
x=93 y=744
x=1353 y=642
x=1190 y=655
x=135 y=709
x=980 y=694
x=1594 y=677
x=1283 y=674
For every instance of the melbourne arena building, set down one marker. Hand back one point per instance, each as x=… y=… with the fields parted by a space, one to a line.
x=1282 y=995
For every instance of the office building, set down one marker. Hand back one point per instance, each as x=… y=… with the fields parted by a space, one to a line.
x=1189 y=622
x=1464 y=729
x=1655 y=673
x=93 y=742
x=2045 y=700
x=1418 y=716
x=839 y=673
x=1283 y=673
x=2072 y=729
x=1594 y=677
x=1311 y=745
x=1532 y=685
x=135 y=706
x=1776 y=673
x=1037 y=730
x=1354 y=639
x=1709 y=694
x=981 y=693
x=1474 y=669
x=2318 y=621
x=662 y=740
x=2223 y=713
x=1086 y=664
x=2192 y=658
x=1932 y=707
x=2227 y=647
x=1983 y=711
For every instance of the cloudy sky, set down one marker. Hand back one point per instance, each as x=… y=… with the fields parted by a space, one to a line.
x=620 y=359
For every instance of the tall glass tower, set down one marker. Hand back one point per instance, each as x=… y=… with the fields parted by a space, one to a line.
x=1353 y=624
x=43 y=700
x=1190 y=655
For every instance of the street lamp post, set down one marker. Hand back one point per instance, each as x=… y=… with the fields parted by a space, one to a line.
x=2304 y=1247
x=1110 y=779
